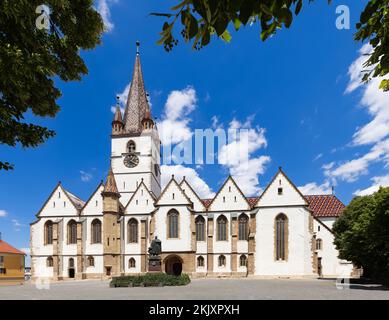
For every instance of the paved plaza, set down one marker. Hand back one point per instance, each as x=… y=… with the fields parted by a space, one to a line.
x=204 y=289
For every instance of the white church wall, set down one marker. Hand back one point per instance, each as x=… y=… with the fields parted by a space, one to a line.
x=299 y=247
x=137 y=259
x=98 y=267
x=201 y=247
x=242 y=246
x=328 y=221
x=65 y=264
x=197 y=204
x=38 y=246
x=183 y=242
x=226 y=267
x=133 y=247
x=222 y=246
x=68 y=248
x=201 y=269
x=332 y=266
x=89 y=247
x=289 y=196
x=94 y=207
x=58 y=205
x=229 y=198
x=40 y=268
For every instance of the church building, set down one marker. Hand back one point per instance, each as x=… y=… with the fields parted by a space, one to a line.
x=279 y=233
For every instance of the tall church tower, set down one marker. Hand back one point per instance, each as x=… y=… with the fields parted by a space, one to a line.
x=135 y=143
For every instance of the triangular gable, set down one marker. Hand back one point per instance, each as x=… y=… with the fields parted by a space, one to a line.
x=229 y=197
x=94 y=205
x=61 y=203
x=192 y=195
x=142 y=201
x=172 y=194
x=290 y=194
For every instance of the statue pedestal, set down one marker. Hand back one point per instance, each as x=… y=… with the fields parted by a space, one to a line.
x=155 y=264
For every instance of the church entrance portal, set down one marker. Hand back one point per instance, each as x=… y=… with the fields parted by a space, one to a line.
x=173 y=265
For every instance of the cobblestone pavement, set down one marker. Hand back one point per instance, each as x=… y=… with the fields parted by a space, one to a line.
x=205 y=289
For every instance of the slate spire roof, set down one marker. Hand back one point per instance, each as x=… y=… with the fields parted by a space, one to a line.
x=110 y=185
x=137 y=105
x=118 y=115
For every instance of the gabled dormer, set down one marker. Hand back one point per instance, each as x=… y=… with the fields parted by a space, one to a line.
x=192 y=195
x=281 y=192
x=141 y=201
x=172 y=194
x=229 y=197
x=61 y=203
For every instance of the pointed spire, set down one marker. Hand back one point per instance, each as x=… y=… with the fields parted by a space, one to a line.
x=118 y=115
x=137 y=105
x=110 y=185
x=117 y=123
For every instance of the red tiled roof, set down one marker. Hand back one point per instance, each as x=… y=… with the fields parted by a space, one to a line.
x=252 y=201
x=321 y=205
x=7 y=248
x=206 y=202
x=325 y=205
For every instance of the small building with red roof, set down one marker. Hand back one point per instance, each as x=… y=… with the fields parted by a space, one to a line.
x=11 y=264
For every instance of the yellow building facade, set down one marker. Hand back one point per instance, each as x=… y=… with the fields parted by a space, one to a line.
x=12 y=262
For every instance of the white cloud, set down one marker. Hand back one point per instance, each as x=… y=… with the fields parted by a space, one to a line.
x=85 y=176
x=313 y=188
x=193 y=178
x=237 y=154
x=25 y=250
x=351 y=170
x=376 y=102
x=246 y=174
x=103 y=7
x=17 y=225
x=3 y=213
x=378 y=182
x=318 y=157
x=174 y=127
x=375 y=133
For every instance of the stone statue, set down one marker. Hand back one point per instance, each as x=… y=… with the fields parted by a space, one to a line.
x=155 y=251
x=155 y=247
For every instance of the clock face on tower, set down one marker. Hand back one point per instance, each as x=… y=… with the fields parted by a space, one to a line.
x=131 y=161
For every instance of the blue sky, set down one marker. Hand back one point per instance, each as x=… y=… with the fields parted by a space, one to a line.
x=298 y=94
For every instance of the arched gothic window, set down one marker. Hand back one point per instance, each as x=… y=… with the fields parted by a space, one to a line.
x=133 y=230
x=72 y=232
x=173 y=224
x=49 y=262
x=131 y=263
x=222 y=228
x=200 y=261
x=131 y=146
x=281 y=240
x=96 y=231
x=243 y=227
x=49 y=232
x=91 y=261
x=200 y=228
x=243 y=261
x=222 y=261
x=71 y=263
